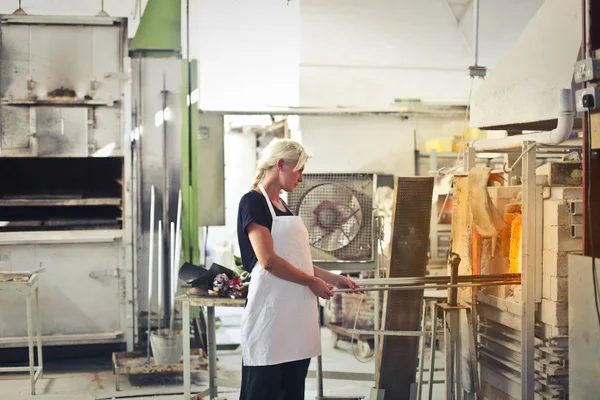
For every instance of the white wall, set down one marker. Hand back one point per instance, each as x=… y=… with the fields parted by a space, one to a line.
x=247 y=51
x=368 y=144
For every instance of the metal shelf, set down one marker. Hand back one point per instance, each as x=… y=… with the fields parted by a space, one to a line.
x=59 y=202
x=56 y=103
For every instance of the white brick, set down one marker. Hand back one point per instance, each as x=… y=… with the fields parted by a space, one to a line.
x=555 y=288
x=558 y=238
x=566 y=193
x=555 y=263
x=555 y=314
x=556 y=213
x=546 y=292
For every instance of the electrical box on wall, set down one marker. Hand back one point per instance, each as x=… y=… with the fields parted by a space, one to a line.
x=211 y=169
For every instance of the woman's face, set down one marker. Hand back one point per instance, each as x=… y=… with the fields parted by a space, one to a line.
x=288 y=178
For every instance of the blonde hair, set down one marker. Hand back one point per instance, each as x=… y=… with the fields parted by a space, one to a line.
x=289 y=150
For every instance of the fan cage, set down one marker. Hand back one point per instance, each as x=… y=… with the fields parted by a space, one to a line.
x=362 y=187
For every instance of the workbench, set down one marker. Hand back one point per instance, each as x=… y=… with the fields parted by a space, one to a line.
x=210 y=302
x=27 y=283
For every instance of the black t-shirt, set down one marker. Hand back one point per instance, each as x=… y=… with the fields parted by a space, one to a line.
x=253 y=208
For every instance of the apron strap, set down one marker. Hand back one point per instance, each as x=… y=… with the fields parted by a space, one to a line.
x=264 y=192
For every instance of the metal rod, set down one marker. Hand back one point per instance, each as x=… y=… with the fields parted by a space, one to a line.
x=377 y=320
x=38 y=326
x=159 y=274
x=388 y=333
x=433 y=342
x=421 y=287
x=435 y=279
x=319 y=376
x=212 y=353
x=422 y=348
x=185 y=309
x=171 y=268
x=476 y=31
x=177 y=258
x=150 y=267
x=30 y=342
x=165 y=180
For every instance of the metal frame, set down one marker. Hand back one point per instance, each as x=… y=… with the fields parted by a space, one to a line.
x=530 y=274
x=210 y=303
x=31 y=287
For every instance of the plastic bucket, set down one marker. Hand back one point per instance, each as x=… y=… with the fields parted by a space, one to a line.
x=165 y=349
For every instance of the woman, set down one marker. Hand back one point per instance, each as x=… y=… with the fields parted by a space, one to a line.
x=280 y=323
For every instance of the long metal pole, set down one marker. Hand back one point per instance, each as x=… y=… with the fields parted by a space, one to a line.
x=177 y=259
x=421 y=287
x=165 y=187
x=433 y=343
x=150 y=267
x=435 y=279
x=212 y=353
x=377 y=311
x=159 y=275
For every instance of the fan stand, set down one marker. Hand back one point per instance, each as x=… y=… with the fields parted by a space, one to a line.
x=319 y=372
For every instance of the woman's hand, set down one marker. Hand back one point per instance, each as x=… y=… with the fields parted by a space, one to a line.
x=320 y=288
x=345 y=283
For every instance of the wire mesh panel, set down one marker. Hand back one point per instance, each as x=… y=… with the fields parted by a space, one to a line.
x=402 y=309
x=337 y=210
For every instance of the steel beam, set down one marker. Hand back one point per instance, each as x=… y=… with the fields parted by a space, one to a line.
x=528 y=273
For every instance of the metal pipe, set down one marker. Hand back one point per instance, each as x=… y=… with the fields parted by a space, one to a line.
x=422 y=287
x=165 y=181
x=159 y=275
x=177 y=260
x=585 y=162
x=564 y=127
x=435 y=279
x=377 y=332
x=150 y=267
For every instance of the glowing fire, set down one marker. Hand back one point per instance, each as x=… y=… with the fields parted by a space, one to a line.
x=515 y=245
x=511 y=238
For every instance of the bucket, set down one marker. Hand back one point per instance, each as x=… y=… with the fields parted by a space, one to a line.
x=166 y=350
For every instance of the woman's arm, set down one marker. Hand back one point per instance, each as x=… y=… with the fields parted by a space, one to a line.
x=262 y=243
x=338 y=281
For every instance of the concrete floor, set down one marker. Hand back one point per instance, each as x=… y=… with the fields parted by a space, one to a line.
x=92 y=379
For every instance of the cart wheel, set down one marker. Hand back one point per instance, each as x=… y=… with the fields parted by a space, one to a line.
x=334 y=340
x=364 y=349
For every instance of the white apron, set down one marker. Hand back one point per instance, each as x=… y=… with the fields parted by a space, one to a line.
x=281 y=322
